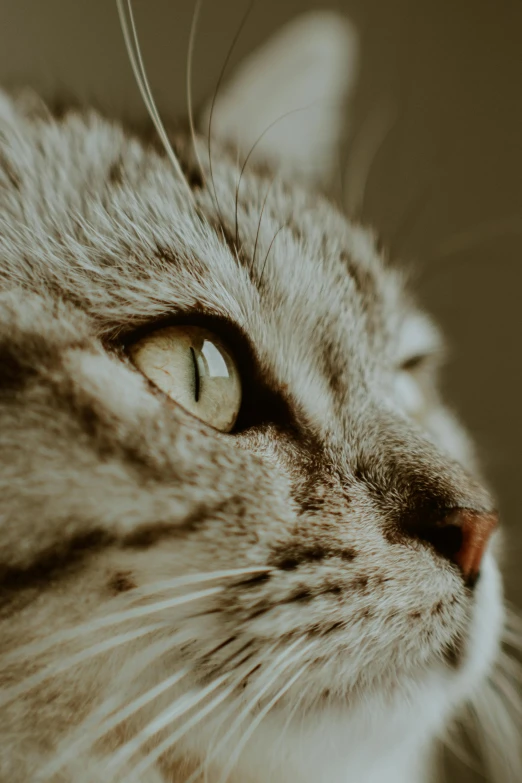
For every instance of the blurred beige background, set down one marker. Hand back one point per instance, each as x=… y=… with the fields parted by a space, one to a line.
x=445 y=187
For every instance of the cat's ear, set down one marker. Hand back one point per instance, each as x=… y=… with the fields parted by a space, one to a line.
x=288 y=99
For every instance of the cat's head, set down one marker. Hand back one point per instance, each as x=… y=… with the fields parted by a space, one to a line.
x=301 y=545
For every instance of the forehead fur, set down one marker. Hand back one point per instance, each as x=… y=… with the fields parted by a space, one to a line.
x=98 y=216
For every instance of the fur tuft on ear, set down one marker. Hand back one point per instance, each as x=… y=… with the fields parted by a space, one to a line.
x=287 y=100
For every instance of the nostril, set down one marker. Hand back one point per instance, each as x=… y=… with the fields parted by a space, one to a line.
x=446 y=539
x=462 y=537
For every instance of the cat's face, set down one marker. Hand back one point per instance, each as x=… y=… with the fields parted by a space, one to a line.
x=115 y=498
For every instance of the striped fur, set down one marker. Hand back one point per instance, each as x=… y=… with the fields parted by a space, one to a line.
x=260 y=587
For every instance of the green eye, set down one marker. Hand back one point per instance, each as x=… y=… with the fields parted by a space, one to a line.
x=192 y=367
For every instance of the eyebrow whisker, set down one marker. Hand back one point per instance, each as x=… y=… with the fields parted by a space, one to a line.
x=130 y=34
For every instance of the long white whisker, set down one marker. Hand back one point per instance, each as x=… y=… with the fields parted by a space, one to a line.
x=230 y=713
x=506 y=681
x=92 y=730
x=9 y=694
x=512 y=633
x=118 y=717
x=499 y=732
x=512 y=637
x=257 y=720
x=280 y=665
x=104 y=622
x=191 y=579
x=457 y=747
x=161 y=721
x=513 y=617
x=284 y=731
x=173 y=738
x=158 y=606
x=510 y=667
x=130 y=35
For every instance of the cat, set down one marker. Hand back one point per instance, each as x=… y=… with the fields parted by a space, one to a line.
x=242 y=537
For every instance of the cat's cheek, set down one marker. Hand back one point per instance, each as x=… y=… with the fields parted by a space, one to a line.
x=123 y=392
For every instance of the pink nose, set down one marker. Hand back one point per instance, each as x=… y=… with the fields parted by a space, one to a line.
x=461 y=536
x=476 y=529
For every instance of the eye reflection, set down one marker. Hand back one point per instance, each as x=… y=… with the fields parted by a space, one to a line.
x=215 y=363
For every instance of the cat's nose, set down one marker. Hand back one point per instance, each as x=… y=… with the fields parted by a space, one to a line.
x=462 y=536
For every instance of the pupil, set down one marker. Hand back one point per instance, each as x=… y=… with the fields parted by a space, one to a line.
x=197 y=380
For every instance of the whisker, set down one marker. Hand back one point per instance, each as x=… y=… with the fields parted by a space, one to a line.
x=228 y=715
x=257 y=720
x=284 y=731
x=510 y=667
x=259 y=224
x=130 y=35
x=169 y=741
x=7 y=695
x=254 y=145
x=191 y=579
x=159 y=606
x=456 y=746
x=280 y=666
x=161 y=721
x=468 y=238
x=173 y=738
x=151 y=694
x=368 y=142
x=269 y=249
x=507 y=691
x=90 y=730
x=442 y=260
x=513 y=628
x=215 y=95
x=190 y=60
x=171 y=714
x=498 y=731
x=104 y=622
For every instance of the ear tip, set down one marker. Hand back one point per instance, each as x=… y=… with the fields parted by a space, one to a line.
x=324 y=19
x=328 y=38
x=308 y=65
x=327 y=27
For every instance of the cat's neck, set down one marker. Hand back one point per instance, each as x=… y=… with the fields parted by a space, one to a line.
x=330 y=748
x=409 y=769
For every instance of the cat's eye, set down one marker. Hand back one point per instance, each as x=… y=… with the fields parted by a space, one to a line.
x=413 y=363
x=415 y=381
x=192 y=366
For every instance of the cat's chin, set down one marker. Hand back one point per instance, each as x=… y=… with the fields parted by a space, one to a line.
x=406 y=718
x=455 y=670
x=460 y=667
x=381 y=733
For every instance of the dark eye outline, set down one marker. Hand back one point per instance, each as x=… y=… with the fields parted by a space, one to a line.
x=262 y=402
x=414 y=362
